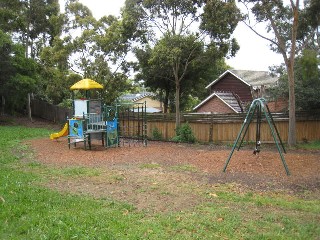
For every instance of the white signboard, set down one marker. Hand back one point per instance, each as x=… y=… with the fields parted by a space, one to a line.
x=80 y=107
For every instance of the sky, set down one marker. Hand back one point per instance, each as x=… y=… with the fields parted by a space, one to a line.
x=254 y=53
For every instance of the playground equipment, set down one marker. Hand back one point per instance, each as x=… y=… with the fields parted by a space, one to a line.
x=88 y=116
x=125 y=123
x=62 y=133
x=111 y=117
x=259 y=106
x=132 y=123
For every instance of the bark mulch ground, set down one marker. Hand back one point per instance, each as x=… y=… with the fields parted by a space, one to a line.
x=170 y=174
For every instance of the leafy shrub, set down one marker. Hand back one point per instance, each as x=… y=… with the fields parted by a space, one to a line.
x=66 y=103
x=156 y=134
x=184 y=134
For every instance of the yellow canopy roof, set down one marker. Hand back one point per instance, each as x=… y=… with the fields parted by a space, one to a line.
x=86 y=84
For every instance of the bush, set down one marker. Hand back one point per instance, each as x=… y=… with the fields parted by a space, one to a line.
x=184 y=134
x=66 y=103
x=156 y=134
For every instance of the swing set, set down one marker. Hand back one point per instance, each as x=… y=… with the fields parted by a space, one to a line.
x=259 y=108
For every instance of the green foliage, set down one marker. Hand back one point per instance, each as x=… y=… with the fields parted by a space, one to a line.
x=109 y=44
x=219 y=19
x=176 y=61
x=6 y=68
x=307 y=82
x=190 y=102
x=87 y=44
x=156 y=134
x=156 y=70
x=282 y=20
x=309 y=62
x=20 y=75
x=92 y=45
x=35 y=23
x=184 y=134
x=309 y=22
x=55 y=84
x=66 y=103
x=157 y=78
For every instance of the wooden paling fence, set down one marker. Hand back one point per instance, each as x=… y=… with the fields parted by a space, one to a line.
x=216 y=128
x=49 y=111
x=222 y=128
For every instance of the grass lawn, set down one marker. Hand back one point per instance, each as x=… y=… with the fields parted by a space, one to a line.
x=310 y=146
x=30 y=211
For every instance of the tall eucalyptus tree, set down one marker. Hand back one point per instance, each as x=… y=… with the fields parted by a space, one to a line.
x=292 y=28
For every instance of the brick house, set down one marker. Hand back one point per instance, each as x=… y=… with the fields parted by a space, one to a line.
x=233 y=90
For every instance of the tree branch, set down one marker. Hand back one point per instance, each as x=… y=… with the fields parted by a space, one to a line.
x=260 y=35
x=186 y=65
x=281 y=44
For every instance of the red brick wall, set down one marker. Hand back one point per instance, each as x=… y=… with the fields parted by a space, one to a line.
x=215 y=105
x=278 y=105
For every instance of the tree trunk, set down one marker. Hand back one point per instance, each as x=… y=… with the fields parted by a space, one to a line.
x=292 y=107
x=282 y=47
x=26 y=46
x=29 y=107
x=290 y=68
x=177 y=104
x=166 y=102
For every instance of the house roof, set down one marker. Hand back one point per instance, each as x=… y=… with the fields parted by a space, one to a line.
x=256 y=78
x=227 y=97
x=249 y=77
x=136 y=96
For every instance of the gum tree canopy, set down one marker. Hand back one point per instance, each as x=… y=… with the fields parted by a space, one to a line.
x=177 y=37
x=293 y=27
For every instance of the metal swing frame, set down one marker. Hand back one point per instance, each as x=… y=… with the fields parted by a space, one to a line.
x=259 y=106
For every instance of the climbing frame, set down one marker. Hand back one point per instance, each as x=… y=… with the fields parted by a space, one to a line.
x=132 y=124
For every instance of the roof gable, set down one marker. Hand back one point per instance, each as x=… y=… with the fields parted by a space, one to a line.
x=223 y=75
x=227 y=97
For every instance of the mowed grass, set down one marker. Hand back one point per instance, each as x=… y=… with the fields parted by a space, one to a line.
x=315 y=145
x=29 y=211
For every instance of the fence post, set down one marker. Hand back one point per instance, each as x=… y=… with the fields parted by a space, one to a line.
x=211 y=129
x=166 y=136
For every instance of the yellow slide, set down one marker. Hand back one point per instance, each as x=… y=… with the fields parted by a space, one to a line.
x=62 y=133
